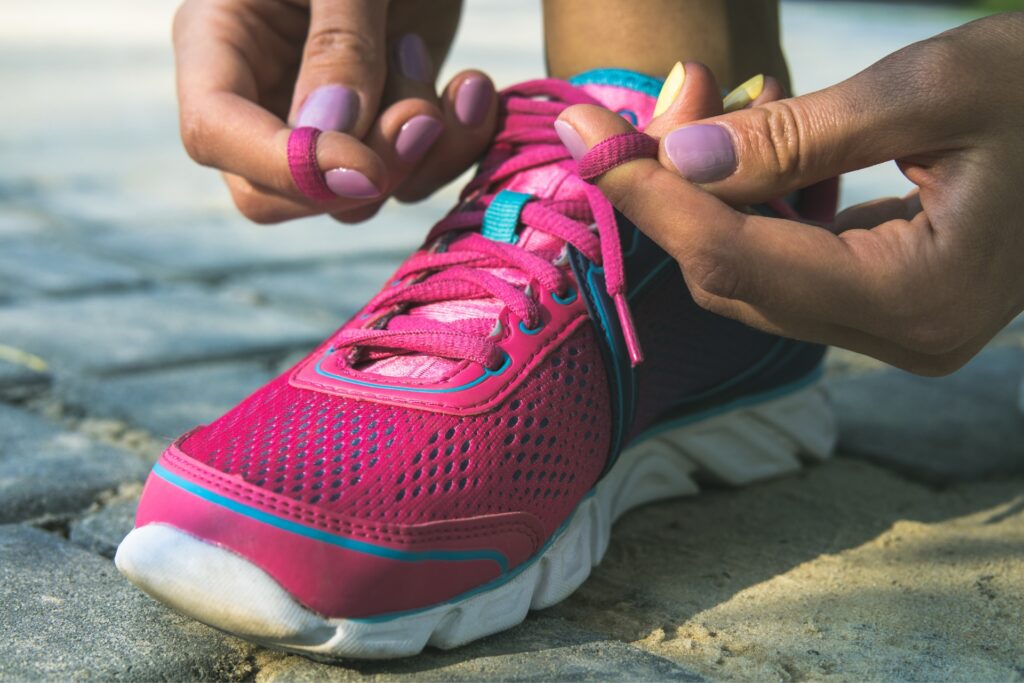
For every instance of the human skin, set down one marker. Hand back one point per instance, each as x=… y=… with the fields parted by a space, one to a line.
x=736 y=39
x=247 y=69
x=921 y=282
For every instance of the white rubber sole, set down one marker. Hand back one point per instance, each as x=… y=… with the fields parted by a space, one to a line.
x=225 y=590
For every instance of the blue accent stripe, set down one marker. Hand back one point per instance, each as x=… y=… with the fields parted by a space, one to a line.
x=502 y=216
x=415 y=390
x=494 y=583
x=622 y=78
x=326 y=537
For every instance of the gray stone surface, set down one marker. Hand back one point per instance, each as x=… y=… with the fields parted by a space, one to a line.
x=940 y=430
x=541 y=649
x=67 y=614
x=45 y=470
x=146 y=329
x=20 y=222
x=58 y=269
x=17 y=380
x=168 y=403
x=225 y=243
x=335 y=290
x=101 y=532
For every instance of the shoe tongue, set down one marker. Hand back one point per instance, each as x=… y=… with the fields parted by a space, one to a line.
x=628 y=93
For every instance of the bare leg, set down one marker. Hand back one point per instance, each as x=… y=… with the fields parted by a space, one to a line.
x=736 y=38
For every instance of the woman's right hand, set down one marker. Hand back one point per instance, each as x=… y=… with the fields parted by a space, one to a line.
x=250 y=70
x=922 y=282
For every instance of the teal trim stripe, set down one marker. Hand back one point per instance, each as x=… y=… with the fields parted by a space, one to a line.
x=622 y=78
x=415 y=390
x=324 y=536
x=502 y=216
x=494 y=583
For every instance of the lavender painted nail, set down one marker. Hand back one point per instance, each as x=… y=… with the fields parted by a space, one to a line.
x=473 y=99
x=702 y=153
x=329 y=107
x=417 y=136
x=413 y=58
x=571 y=139
x=346 y=182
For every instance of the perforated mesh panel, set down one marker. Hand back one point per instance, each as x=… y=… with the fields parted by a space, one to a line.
x=539 y=452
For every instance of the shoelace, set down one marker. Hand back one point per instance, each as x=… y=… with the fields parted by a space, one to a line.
x=454 y=266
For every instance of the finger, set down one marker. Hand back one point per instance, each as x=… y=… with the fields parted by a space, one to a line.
x=772 y=91
x=869 y=214
x=222 y=125
x=344 y=66
x=690 y=92
x=802 y=271
x=757 y=153
x=469 y=108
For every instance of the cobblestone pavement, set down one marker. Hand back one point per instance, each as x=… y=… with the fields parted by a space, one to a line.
x=134 y=305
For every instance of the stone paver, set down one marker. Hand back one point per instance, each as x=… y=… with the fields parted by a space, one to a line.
x=101 y=532
x=940 y=430
x=217 y=244
x=58 y=269
x=17 y=380
x=542 y=649
x=336 y=290
x=20 y=222
x=167 y=403
x=45 y=470
x=145 y=329
x=67 y=614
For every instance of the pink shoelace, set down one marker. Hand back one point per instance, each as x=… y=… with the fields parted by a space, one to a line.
x=455 y=266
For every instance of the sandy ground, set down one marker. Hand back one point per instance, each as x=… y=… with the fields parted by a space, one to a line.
x=845 y=572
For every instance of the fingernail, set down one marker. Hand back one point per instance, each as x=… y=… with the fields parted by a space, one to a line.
x=330 y=107
x=472 y=100
x=346 y=182
x=744 y=94
x=670 y=91
x=413 y=58
x=702 y=153
x=571 y=139
x=417 y=136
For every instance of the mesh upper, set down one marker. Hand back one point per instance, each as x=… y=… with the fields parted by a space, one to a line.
x=538 y=452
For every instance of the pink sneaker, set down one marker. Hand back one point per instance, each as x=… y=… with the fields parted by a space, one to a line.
x=456 y=454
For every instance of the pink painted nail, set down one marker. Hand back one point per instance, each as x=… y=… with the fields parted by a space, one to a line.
x=329 y=107
x=347 y=182
x=571 y=139
x=413 y=58
x=417 y=136
x=473 y=100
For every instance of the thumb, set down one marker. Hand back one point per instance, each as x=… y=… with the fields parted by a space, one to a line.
x=769 y=150
x=344 y=66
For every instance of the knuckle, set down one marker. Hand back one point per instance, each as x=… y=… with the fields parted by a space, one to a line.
x=933 y=337
x=713 y=272
x=196 y=137
x=937 y=365
x=778 y=142
x=339 y=44
x=255 y=207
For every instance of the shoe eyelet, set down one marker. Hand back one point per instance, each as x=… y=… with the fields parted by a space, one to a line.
x=569 y=297
x=530 y=330
x=506 y=362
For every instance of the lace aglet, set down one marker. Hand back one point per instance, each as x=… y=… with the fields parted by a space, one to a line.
x=629 y=335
